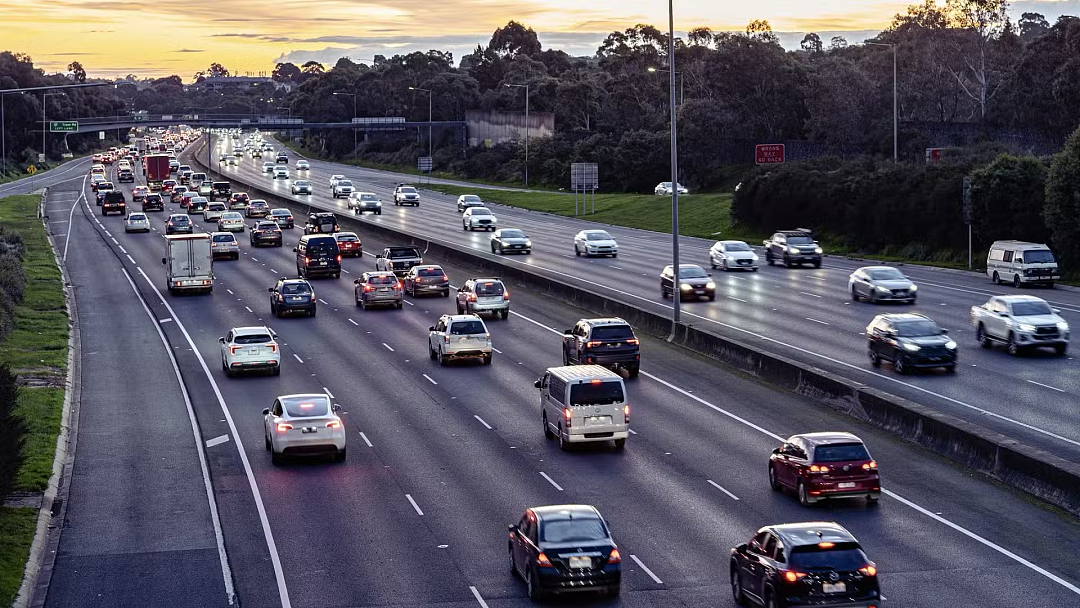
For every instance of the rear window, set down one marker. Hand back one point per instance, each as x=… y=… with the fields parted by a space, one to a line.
x=612 y=332
x=466 y=328
x=295 y=288
x=408 y=191
x=490 y=288
x=216 y=206
x=430 y=272
x=348 y=238
x=325 y=244
x=223 y=238
x=252 y=339
x=382 y=280
x=845 y=557
x=840 y=452
x=596 y=393
x=404 y=252
x=573 y=530
x=313 y=406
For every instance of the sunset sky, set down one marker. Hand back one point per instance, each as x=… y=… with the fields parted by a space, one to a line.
x=116 y=37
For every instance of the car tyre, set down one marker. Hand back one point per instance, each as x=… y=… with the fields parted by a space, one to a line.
x=340 y=455
x=620 y=443
x=266 y=438
x=276 y=458
x=804 y=497
x=817 y=264
x=875 y=359
x=1061 y=349
x=444 y=360
x=547 y=429
x=1016 y=281
x=531 y=587
x=431 y=352
x=563 y=443
x=899 y=366
x=633 y=370
x=736 y=587
x=981 y=337
x=311 y=312
x=996 y=279
x=576 y=251
x=1014 y=347
x=510 y=561
x=854 y=294
x=399 y=304
x=487 y=359
x=504 y=314
x=773 y=482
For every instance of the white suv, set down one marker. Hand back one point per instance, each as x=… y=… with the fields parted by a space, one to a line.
x=304 y=424
x=250 y=348
x=478 y=217
x=459 y=337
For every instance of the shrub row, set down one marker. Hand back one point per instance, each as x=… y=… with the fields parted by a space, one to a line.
x=12 y=279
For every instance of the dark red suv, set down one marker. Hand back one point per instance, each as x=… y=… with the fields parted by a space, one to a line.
x=819 y=466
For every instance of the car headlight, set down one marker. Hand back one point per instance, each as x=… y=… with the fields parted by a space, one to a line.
x=792 y=250
x=378 y=204
x=528 y=243
x=818 y=250
x=910 y=346
x=685 y=287
x=882 y=288
x=1062 y=326
x=753 y=258
x=950 y=345
x=710 y=285
x=914 y=288
x=1025 y=327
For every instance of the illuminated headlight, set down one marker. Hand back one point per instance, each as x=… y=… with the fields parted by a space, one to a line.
x=1025 y=327
x=528 y=243
x=753 y=258
x=792 y=250
x=914 y=288
x=882 y=289
x=1062 y=326
x=818 y=250
x=685 y=287
x=378 y=204
x=910 y=346
x=710 y=285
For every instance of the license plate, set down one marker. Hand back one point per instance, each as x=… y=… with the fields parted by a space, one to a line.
x=322 y=263
x=833 y=587
x=699 y=291
x=580 y=562
x=384 y=289
x=846 y=484
x=597 y=420
x=314 y=429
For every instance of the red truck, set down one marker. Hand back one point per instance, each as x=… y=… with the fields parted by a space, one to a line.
x=157 y=170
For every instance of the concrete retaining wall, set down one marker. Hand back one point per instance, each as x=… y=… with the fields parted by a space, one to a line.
x=1034 y=471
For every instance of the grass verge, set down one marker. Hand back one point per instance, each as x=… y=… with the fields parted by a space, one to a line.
x=17 y=528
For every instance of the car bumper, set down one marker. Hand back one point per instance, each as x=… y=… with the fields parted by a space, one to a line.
x=233 y=228
x=469 y=353
x=687 y=294
x=930 y=361
x=266 y=240
x=473 y=307
x=602 y=251
x=226 y=252
x=352 y=253
x=430 y=288
x=612 y=358
x=321 y=270
x=285 y=224
x=369 y=300
x=284 y=307
x=254 y=365
x=137 y=228
x=310 y=443
x=596 y=434
x=802 y=258
x=559 y=583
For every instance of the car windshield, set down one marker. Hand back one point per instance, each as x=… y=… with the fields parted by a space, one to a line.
x=1026 y=309
x=596 y=393
x=480 y=211
x=382 y=280
x=573 y=531
x=693 y=272
x=914 y=329
x=471 y=198
x=223 y=238
x=369 y=197
x=513 y=234
x=839 y=452
x=252 y=339
x=736 y=247
x=665 y=184
x=490 y=289
x=315 y=405
x=259 y=204
x=800 y=240
x=844 y=557
x=345 y=182
x=467 y=328
x=408 y=191
x=597 y=236
x=886 y=274
x=612 y=332
x=216 y=206
x=1038 y=256
x=294 y=289
x=301 y=183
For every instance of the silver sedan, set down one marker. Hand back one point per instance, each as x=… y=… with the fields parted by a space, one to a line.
x=880 y=284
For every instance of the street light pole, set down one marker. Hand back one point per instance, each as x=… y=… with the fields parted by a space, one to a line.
x=428 y=116
x=676 y=292
x=895 y=103
x=527 y=125
x=353 y=95
x=680 y=75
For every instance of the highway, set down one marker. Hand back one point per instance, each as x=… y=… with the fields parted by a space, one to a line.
x=443 y=458
x=802 y=313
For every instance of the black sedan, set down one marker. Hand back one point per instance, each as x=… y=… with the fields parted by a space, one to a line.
x=510 y=240
x=564 y=549
x=694 y=283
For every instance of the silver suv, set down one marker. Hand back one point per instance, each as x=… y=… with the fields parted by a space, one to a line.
x=459 y=337
x=483 y=295
x=378 y=288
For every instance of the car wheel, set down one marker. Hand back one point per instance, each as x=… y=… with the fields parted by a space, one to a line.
x=266 y=438
x=547 y=429
x=875 y=359
x=854 y=294
x=773 y=482
x=312 y=311
x=1016 y=280
x=620 y=443
x=981 y=337
x=531 y=587
x=817 y=264
x=1014 y=347
x=950 y=369
x=444 y=360
x=724 y=266
x=1061 y=349
x=487 y=359
x=563 y=443
x=463 y=226
x=787 y=263
x=460 y=311
x=804 y=496
x=399 y=305
x=275 y=457
x=899 y=366
x=510 y=560
x=431 y=352
x=996 y=279
x=736 y=587
x=873 y=296
x=493 y=248
x=768 y=258
x=358 y=303
x=340 y=456
x=770 y=599
x=504 y=314
x=576 y=251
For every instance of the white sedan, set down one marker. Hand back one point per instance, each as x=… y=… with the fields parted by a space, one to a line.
x=231 y=221
x=595 y=242
x=733 y=255
x=281 y=172
x=250 y=348
x=303 y=424
x=302 y=165
x=478 y=217
x=664 y=189
x=137 y=222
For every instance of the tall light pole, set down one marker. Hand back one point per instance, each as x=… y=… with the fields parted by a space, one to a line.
x=527 y=124
x=895 y=104
x=44 y=123
x=353 y=95
x=428 y=91
x=677 y=290
x=679 y=74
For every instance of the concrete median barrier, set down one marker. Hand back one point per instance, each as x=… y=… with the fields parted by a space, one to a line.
x=1034 y=471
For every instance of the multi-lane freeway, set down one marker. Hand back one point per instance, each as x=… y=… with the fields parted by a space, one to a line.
x=443 y=458
x=803 y=313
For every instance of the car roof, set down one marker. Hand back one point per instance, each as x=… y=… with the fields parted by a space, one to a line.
x=584 y=372
x=379 y=273
x=732 y=242
x=905 y=317
x=266 y=222
x=565 y=512
x=250 y=330
x=828 y=437
x=1019 y=298
x=363 y=193
x=301 y=397
x=453 y=318
x=1020 y=244
x=281 y=209
x=486 y=280
x=285 y=281
x=601 y=322
x=812 y=533
x=344 y=233
x=880 y=268
x=322 y=214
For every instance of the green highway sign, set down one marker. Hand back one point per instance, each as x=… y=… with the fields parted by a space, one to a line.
x=63 y=126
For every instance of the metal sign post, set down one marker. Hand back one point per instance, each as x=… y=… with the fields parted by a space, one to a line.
x=584 y=177
x=966 y=210
x=423 y=164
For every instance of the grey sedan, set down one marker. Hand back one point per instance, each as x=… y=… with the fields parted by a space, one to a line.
x=880 y=284
x=510 y=240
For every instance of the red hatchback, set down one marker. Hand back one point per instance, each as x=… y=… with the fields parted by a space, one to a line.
x=349 y=244
x=167 y=185
x=819 y=466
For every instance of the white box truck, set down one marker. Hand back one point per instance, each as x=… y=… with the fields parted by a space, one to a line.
x=188 y=263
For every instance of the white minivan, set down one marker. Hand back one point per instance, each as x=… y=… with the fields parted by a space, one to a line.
x=1021 y=263
x=584 y=403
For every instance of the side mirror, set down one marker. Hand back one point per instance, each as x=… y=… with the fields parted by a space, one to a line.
x=431 y=328
x=537 y=383
x=1003 y=314
x=266 y=411
x=271 y=290
x=709 y=274
x=163 y=261
x=337 y=407
x=1055 y=310
x=568 y=332
x=378 y=255
x=512 y=528
x=221 y=339
x=294 y=248
x=944 y=332
x=356 y=281
x=741 y=548
x=776 y=450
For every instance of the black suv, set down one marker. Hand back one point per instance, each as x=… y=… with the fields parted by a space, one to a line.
x=608 y=342
x=816 y=563
x=910 y=341
x=292 y=295
x=318 y=254
x=265 y=232
x=153 y=202
x=321 y=223
x=793 y=247
x=220 y=191
x=114 y=201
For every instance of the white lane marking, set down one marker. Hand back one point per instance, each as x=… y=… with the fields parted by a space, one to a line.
x=273 y=271
x=220 y=439
x=479 y=599
x=409 y=303
x=430 y=379
x=109 y=234
x=226 y=572
x=414 y=505
x=230 y=291
x=1053 y=388
x=249 y=310
x=165 y=320
x=551 y=481
x=131 y=258
x=254 y=259
x=364 y=437
x=388 y=347
x=496 y=350
x=345 y=271
x=737 y=299
x=328 y=393
x=489 y=428
x=632 y=431
x=324 y=301
x=812 y=295
x=122 y=248
x=816 y=321
x=616 y=267
x=646 y=569
x=354 y=322
x=115 y=242
x=298 y=357
x=722 y=489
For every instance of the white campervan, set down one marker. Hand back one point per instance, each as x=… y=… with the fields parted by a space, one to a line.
x=584 y=403
x=1021 y=263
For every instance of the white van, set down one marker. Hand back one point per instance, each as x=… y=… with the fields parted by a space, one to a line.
x=1021 y=263
x=584 y=403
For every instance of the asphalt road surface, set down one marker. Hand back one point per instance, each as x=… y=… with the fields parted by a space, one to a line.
x=803 y=313
x=441 y=459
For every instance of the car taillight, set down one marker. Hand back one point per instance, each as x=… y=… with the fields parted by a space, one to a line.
x=632 y=341
x=566 y=416
x=398 y=284
x=368 y=288
x=236 y=348
x=506 y=295
x=543 y=561
x=472 y=297
x=614 y=557
x=333 y=424
x=419 y=280
x=870 y=466
x=626 y=414
x=869 y=570
x=816 y=468
x=272 y=347
x=791 y=576
x=339 y=258
x=306 y=259
x=592 y=343
x=283 y=426
x=445 y=278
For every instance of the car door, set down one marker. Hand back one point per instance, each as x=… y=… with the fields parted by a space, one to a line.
x=782 y=465
x=887 y=345
x=797 y=461
x=666 y=281
x=876 y=337
x=753 y=582
x=546 y=401
x=1008 y=266
x=581 y=333
x=518 y=544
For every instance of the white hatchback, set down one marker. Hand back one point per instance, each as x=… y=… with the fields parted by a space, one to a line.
x=250 y=348
x=303 y=424
x=733 y=255
x=214 y=211
x=137 y=222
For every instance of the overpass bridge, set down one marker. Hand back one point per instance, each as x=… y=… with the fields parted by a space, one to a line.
x=246 y=121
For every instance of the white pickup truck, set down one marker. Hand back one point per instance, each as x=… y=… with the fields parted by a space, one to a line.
x=1019 y=322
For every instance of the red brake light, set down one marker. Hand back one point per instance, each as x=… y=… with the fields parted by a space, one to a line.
x=591 y=344
x=445 y=278
x=283 y=426
x=826 y=545
x=626 y=414
x=869 y=570
x=333 y=424
x=399 y=284
x=543 y=561
x=235 y=348
x=272 y=347
x=632 y=341
x=368 y=288
x=419 y=280
x=816 y=468
x=566 y=415
x=869 y=465
x=339 y=258
x=614 y=557
x=791 y=576
x=472 y=297
x=506 y=295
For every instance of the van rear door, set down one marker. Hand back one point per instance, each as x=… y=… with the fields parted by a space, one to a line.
x=596 y=406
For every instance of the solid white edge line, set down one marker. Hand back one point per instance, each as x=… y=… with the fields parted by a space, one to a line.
x=722 y=489
x=226 y=572
x=430 y=379
x=551 y=481
x=328 y=393
x=414 y=505
x=957 y=527
x=479 y=599
x=249 y=309
x=1053 y=388
x=354 y=322
x=489 y=428
x=275 y=559
x=364 y=437
x=646 y=569
x=82 y=195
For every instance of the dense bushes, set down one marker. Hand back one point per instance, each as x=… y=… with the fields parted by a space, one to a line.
x=1007 y=198
x=1063 y=201
x=12 y=279
x=12 y=432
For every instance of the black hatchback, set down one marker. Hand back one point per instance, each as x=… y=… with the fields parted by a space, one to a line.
x=564 y=549
x=318 y=254
x=805 y=564
x=910 y=341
